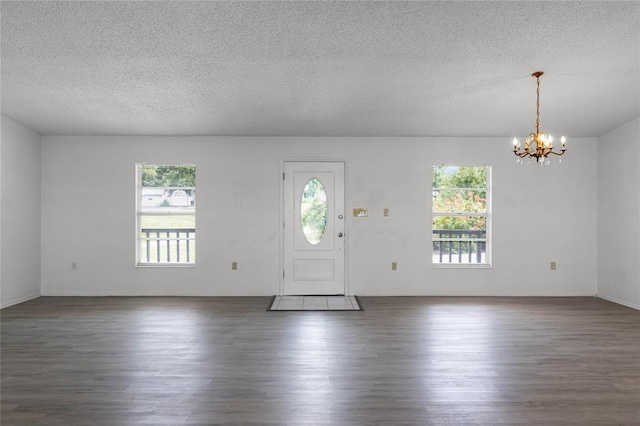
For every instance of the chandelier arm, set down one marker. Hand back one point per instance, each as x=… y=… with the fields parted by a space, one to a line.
x=557 y=153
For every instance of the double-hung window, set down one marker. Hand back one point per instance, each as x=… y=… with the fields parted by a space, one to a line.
x=165 y=214
x=461 y=215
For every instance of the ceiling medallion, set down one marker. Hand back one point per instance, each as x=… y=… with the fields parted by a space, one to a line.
x=538 y=144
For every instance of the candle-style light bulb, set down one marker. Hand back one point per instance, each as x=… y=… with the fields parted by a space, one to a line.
x=563 y=140
x=515 y=143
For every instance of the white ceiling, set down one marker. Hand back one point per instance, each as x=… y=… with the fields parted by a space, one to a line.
x=386 y=68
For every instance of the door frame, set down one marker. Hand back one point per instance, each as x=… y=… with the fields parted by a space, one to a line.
x=283 y=160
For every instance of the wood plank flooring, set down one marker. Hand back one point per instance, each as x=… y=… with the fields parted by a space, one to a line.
x=404 y=360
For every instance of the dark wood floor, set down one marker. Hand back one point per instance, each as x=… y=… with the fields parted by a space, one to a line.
x=404 y=360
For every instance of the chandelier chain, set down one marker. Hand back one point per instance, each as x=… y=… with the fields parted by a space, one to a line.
x=538 y=107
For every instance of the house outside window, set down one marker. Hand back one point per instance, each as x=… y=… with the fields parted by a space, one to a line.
x=461 y=216
x=165 y=215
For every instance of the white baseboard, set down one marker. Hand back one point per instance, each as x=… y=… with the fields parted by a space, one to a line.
x=20 y=300
x=619 y=301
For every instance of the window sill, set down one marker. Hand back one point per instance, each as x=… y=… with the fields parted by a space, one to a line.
x=165 y=265
x=461 y=265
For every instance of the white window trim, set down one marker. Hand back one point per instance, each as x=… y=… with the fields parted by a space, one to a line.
x=488 y=264
x=138 y=212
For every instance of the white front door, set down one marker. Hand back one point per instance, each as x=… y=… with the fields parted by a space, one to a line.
x=313 y=228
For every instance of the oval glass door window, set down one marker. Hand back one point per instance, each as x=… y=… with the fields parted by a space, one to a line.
x=313 y=211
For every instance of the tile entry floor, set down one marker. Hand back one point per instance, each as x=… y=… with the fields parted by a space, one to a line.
x=315 y=303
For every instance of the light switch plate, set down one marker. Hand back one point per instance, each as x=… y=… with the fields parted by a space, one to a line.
x=360 y=212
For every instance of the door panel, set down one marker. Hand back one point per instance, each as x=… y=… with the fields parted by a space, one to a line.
x=314 y=269
x=313 y=228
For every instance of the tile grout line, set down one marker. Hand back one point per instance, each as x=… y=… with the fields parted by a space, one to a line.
x=315 y=303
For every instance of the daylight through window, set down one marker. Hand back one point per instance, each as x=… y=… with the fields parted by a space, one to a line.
x=166 y=214
x=461 y=215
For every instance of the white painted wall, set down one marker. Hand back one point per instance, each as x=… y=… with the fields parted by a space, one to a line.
x=1 y=138
x=20 y=220
x=619 y=215
x=541 y=214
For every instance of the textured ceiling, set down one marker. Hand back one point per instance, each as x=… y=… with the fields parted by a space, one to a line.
x=450 y=68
